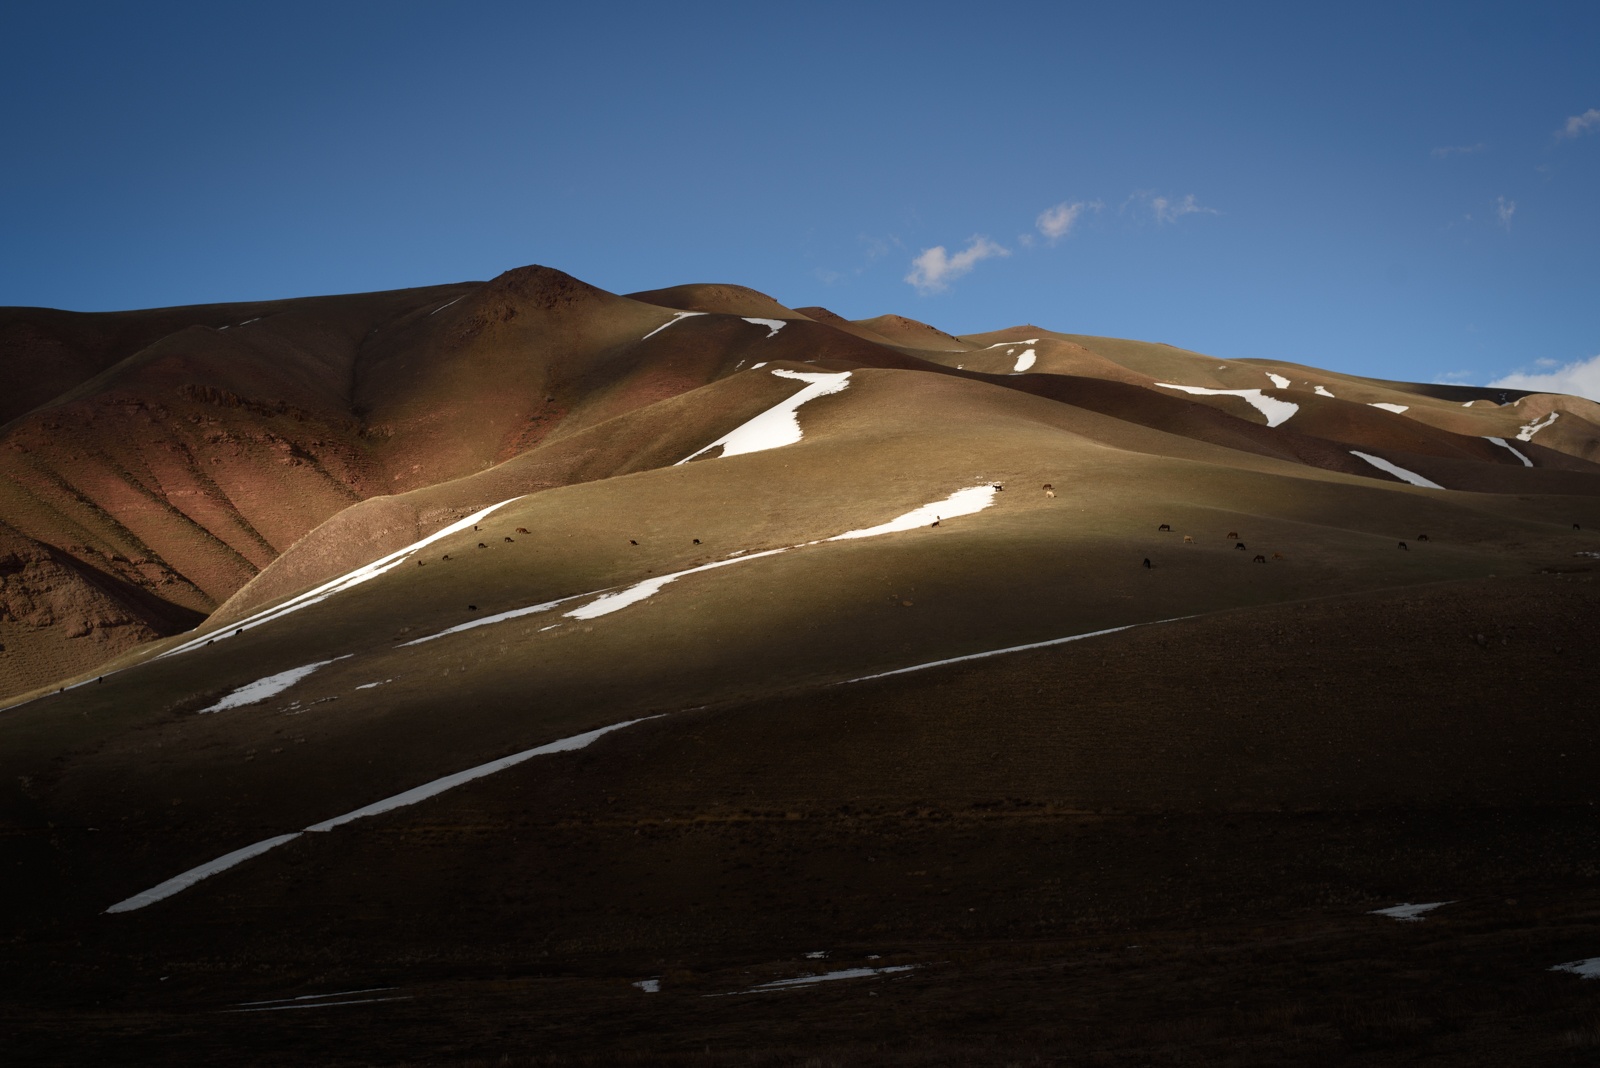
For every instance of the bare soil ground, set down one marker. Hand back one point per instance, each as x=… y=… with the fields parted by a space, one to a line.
x=1157 y=847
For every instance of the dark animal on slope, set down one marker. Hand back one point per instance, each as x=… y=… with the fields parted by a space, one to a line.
x=1166 y=527
x=697 y=541
x=1259 y=559
x=1422 y=537
x=632 y=542
x=481 y=545
x=1403 y=546
x=1147 y=563
x=508 y=539
x=1233 y=534
x=522 y=530
x=1238 y=545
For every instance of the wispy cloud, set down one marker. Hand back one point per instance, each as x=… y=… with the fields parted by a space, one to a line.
x=1167 y=210
x=1451 y=378
x=933 y=269
x=1458 y=150
x=1055 y=223
x=1580 y=124
x=1581 y=379
x=1504 y=209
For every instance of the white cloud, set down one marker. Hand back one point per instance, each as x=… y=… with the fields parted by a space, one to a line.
x=1504 y=209
x=1055 y=223
x=1166 y=211
x=1581 y=379
x=1458 y=150
x=1578 y=124
x=933 y=269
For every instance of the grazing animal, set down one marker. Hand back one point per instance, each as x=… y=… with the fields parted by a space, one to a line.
x=1576 y=527
x=1188 y=540
x=1049 y=493
x=697 y=541
x=632 y=542
x=1049 y=486
x=1238 y=545
x=481 y=545
x=998 y=485
x=1166 y=527
x=1234 y=534
x=446 y=556
x=421 y=564
x=522 y=530
x=935 y=521
x=472 y=608
x=508 y=539
x=1279 y=556
x=474 y=526
x=1147 y=564
x=1259 y=559
x=1403 y=546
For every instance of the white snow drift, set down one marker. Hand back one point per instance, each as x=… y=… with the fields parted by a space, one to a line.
x=271 y=686
x=1398 y=472
x=1277 y=411
x=778 y=425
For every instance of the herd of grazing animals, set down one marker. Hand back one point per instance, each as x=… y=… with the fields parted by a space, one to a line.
x=1233 y=535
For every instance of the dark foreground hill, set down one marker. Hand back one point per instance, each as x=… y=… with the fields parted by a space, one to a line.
x=514 y=672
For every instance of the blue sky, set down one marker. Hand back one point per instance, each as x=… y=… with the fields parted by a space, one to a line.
x=1403 y=190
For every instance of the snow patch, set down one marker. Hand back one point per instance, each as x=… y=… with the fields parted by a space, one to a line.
x=446 y=304
x=639 y=591
x=271 y=686
x=772 y=325
x=427 y=790
x=1397 y=409
x=499 y=617
x=344 y=582
x=1504 y=444
x=1001 y=652
x=1588 y=968
x=1398 y=472
x=374 y=685
x=1014 y=344
x=829 y=977
x=178 y=883
x=1276 y=411
x=1278 y=380
x=961 y=502
x=1409 y=913
x=676 y=317
x=649 y=986
x=1321 y=391
x=777 y=426
x=1527 y=432
x=1024 y=361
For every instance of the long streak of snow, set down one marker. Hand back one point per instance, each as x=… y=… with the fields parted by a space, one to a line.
x=1397 y=409
x=325 y=1004
x=344 y=582
x=1409 y=913
x=318 y=997
x=1024 y=361
x=649 y=986
x=410 y=797
x=828 y=977
x=676 y=318
x=777 y=426
x=1527 y=432
x=614 y=602
x=1588 y=968
x=271 y=686
x=447 y=304
x=1001 y=652
x=1278 y=380
x=1321 y=391
x=1398 y=472
x=499 y=617
x=1504 y=444
x=162 y=891
x=1004 y=344
x=961 y=502
x=1277 y=411
x=772 y=325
